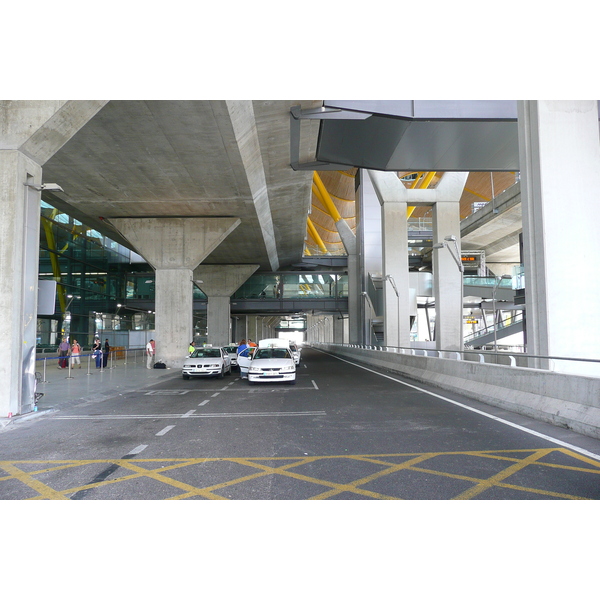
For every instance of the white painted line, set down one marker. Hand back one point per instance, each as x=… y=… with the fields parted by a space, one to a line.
x=316 y=386
x=479 y=412
x=189 y=413
x=225 y=388
x=165 y=430
x=203 y=403
x=215 y=395
x=138 y=449
x=305 y=366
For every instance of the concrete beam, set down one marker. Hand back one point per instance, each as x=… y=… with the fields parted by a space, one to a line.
x=243 y=121
x=39 y=128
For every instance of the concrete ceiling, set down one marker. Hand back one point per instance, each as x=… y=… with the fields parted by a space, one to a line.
x=194 y=159
x=217 y=158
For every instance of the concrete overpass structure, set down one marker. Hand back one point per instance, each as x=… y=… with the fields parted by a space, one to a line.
x=209 y=192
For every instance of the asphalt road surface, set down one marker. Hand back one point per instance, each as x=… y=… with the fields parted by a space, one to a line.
x=342 y=432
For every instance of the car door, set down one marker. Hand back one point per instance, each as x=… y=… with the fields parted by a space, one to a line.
x=226 y=360
x=243 y=360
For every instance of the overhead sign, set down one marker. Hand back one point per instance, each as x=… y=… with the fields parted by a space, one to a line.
x=471 y=260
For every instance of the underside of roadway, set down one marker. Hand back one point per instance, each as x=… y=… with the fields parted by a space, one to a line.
x=343 y=432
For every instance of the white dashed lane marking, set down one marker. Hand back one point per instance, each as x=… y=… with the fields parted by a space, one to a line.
x=165 y=430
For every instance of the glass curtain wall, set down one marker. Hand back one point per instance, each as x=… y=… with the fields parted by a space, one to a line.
x=91 y=272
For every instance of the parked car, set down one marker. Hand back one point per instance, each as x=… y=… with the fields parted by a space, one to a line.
x=295 y=350
x=232 y=351
x=207 y=362
x=272 y=362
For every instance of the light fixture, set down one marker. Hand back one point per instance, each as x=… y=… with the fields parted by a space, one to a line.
x=45 y=187
x=456 y=257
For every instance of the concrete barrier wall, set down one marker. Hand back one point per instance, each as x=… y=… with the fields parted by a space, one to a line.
x=569 y=401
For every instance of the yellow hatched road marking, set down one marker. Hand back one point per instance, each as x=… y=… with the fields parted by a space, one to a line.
x=137 y=470
x=496 y=479
x=45 y=491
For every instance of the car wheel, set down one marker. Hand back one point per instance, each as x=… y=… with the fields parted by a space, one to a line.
x=220 y=375
x=292 y=382
x=186 y=376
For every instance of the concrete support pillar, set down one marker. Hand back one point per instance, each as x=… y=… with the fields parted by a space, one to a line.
x=395 y=270
x=559 y=151
x=447 y=277
x=338 y=329
x=393 y=198
x=30 y=133
x=219 y=282
x=174 y=247
x=240 y=328
x=254 y=328
x=19 y=235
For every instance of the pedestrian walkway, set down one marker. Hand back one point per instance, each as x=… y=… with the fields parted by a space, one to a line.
x=64 y=388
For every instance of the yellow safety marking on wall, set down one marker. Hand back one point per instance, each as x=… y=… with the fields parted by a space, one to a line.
x=167 y=473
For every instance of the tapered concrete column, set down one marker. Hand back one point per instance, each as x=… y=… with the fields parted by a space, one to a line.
x=219 y=282
x=447 y=277
x=393 y=197
x=30 y=133
x=174 y=247
x=559 y=152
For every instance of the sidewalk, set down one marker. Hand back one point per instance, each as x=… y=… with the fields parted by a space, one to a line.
x=88 y=384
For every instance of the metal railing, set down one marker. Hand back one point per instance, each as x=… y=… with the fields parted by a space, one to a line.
x=529 y=361
x=132 y=355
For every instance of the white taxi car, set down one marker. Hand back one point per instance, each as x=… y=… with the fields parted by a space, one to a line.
x=207 y=362
x=272 y=362
x=295 y=350
x=232 y=351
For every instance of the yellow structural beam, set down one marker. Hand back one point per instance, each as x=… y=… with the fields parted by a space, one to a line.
x=427 y=180
x=315 y=236
x=323 y=195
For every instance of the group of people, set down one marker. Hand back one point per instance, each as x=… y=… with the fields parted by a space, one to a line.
x=72 y=352
x=243 y=345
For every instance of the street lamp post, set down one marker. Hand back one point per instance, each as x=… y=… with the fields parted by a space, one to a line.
x=498 y=280
x=391 y=280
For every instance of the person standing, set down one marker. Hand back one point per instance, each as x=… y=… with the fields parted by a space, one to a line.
x=105 y=353
x=97 y=352
x=251 y=343
x=242 y=346
x=63 y=352
x=191 y=347
x=150 y=352
x=75 y=352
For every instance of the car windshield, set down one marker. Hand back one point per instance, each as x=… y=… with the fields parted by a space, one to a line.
x=272 y=353
x=230 y=349
x=206 y=353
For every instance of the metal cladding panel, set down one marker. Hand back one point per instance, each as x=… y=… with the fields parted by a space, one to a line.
x=423 y=136
x=432 y=109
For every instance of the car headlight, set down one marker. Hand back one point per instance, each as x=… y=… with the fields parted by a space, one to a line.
x=215 y=366
x=287 y=370
x=254 y=369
